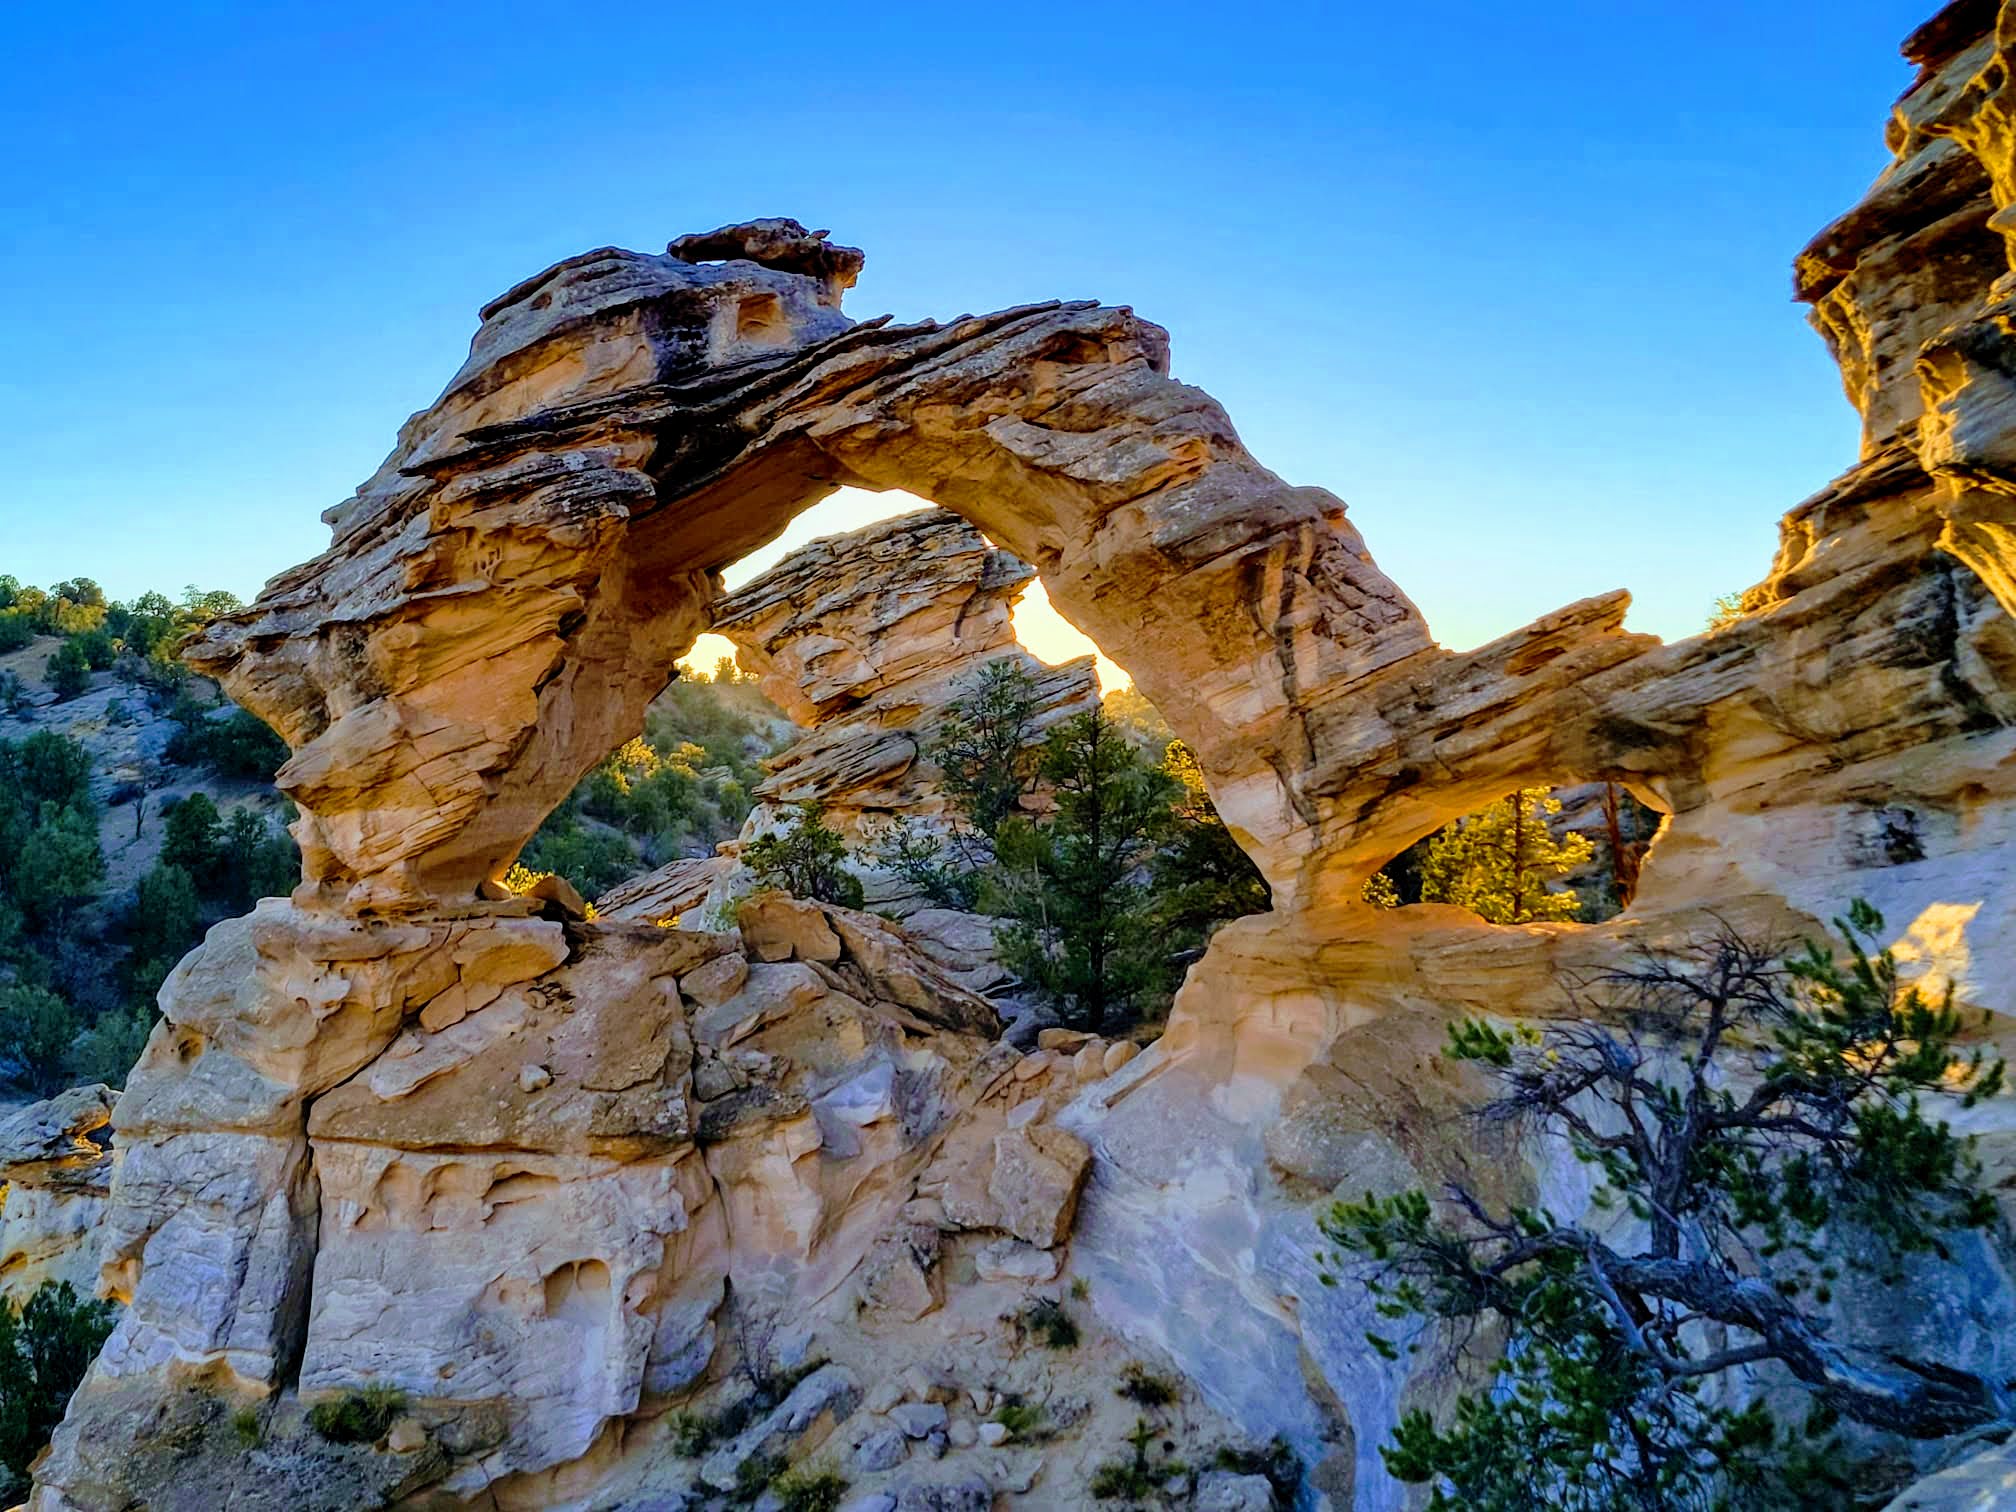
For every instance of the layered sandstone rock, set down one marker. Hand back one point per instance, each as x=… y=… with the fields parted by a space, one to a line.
x=56 y=1164
x=525 y=1161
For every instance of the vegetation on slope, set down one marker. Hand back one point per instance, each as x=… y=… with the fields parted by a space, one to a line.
x=1755 y=1125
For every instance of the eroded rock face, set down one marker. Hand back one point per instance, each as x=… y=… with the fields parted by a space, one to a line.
x=319 y=1184
x=56 y=1162
x=523 y=1161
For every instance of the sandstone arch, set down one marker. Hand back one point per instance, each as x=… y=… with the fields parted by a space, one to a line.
x=503 y=597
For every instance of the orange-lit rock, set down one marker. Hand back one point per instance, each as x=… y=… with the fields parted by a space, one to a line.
x=529 y=1208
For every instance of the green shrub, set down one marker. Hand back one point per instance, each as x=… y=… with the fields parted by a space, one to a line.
x=807 y=860
x=591 y=857
x=45 y=1348
x=110 y=1048
x=67 y=671
x=1138 y=1384
x=245 y=1422
x=1021 y=1419
x=693 y=1434
x=238 y=745
x=1052 y=1326
x=1138 y=1478
x=191 y=839
x=754 y=1475
x=37 y=1032
x=1278 y=1463
x=97 y=649
x=809 y=1490
x=358 y=1417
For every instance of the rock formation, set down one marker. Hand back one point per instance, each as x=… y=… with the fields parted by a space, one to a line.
x=866 y=639
x=55 y=1171
x=402 y=1130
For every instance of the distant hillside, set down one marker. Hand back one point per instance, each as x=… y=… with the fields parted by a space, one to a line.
x=137 y=808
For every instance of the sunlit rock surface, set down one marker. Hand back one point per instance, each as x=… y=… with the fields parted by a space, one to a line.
x=554 y=1177
x=56 y=1161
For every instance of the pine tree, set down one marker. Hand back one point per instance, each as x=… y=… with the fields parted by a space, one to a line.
x=191 y=838
x=984 y=748
x=45 y=1348
x=67 y=672
x=1752 y=1113
x=37 y=1031
x=1081 y=924
x=1201 y=876
x=1497 y=863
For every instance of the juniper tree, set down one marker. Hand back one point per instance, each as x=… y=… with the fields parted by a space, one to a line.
x=805 y=859
x=985 y=752
x=1746 y=1117
x=46 y=1345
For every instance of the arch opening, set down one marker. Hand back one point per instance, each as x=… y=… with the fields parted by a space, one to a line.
x=1566 y=854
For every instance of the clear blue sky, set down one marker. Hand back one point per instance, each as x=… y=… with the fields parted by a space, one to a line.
x=1512 y=280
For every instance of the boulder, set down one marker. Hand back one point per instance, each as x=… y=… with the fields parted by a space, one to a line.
x=1038 y=1173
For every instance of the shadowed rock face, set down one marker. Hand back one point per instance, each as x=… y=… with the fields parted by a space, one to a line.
x=353 y=1074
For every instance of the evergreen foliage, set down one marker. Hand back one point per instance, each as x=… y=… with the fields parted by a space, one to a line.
x=67 y=672
x=680 y=788
x=45 y=1348
x=1757 y=1118
x=49 y=854
x=238 y=745
x=1072 y=886
x=358 y=1417
x=190 y=841
x=1497 y=863
x=37 y=1032
x=983 y=746
x=1199 y=875
x=165 y=922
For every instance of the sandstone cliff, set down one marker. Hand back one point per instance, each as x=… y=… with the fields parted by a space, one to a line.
x=399 y=1130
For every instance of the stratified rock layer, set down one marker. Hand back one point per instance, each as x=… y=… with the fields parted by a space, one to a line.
x=867 y=639
x=347 y=1077
x=56 y=1164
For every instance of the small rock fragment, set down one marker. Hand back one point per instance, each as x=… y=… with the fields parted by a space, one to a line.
x=881 y=1451
x=407 y=1436
x=1012 y=1260
x=918 y=1419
